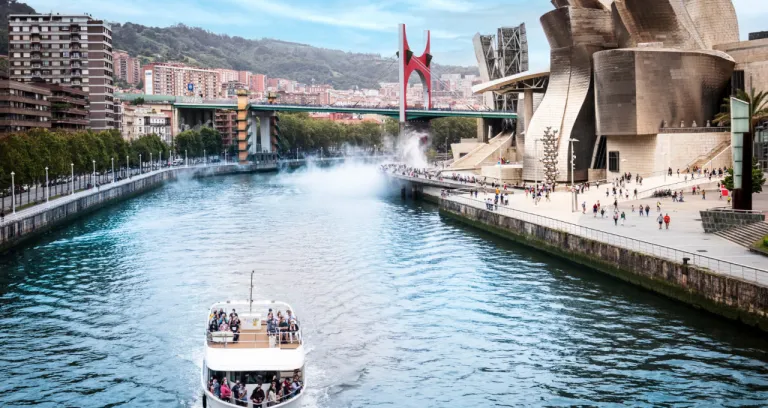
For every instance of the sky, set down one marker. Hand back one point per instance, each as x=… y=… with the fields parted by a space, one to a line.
x=358 y=25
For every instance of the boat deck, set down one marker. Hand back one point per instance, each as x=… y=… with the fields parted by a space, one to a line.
x=253 y=338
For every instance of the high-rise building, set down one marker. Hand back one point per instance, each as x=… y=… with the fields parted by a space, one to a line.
x=258 y=83
x=180 y=80
x=69 y=107
x=227 y=75
x=127 y=68
x=244 y=77
x=71 y=50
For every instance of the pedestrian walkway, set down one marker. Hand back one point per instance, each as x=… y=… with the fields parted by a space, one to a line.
x=685 y=237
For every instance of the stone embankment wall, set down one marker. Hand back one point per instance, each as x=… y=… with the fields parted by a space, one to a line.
x=17 y=231
x=714 y=220
x=722 y=295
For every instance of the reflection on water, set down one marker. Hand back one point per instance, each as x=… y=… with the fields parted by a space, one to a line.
x=399 y=306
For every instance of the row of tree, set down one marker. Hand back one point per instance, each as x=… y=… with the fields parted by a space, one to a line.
x=197 y=142
x=27 y=154
x=299 y=131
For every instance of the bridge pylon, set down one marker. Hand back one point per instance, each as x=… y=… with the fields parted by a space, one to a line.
x=408 y=64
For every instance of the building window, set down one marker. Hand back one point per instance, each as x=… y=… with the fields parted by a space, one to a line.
x=613 y=162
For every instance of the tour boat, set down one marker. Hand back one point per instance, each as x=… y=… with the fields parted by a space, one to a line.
x=255 y=355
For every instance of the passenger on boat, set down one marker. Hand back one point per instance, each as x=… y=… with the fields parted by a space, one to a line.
x=240 y=394
x=271 y=324
x=257 y=396
x=226 y=392
x=283 y=326
x=216 y=388
x=272 y=394
x=295 y=384
x=234 y=325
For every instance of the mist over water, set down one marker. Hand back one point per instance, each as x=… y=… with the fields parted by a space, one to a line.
x=399 y=306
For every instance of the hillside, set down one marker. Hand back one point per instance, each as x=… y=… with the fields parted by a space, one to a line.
x=9 y=7
x=300 y=62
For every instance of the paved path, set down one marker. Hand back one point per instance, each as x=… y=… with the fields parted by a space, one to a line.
x=685 y=238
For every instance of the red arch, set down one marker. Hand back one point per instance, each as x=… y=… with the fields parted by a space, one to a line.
x=409 y=63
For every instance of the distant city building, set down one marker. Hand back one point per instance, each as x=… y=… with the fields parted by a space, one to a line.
x=139 y=121
x=180 y=80
x=244 y=77
x=71 y=50
x=227 y=75
x=23 y=106
x=258 y=83
x=226 y=123
x=127 y=68
x=229 y=89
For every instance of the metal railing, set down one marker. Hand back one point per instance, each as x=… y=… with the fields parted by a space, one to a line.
x=747 y=273
x=248 y=402
x=673 y=186
x=277 y=339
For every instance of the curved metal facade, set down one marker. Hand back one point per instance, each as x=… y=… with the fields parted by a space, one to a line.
x=568 y=106
x=638 y=89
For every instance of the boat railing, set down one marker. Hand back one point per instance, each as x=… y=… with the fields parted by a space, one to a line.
x=266 y=403
x=281 y=340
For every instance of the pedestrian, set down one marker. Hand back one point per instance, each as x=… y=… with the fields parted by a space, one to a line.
x=647 y=210
x=666 y=220
x=660 y=220
x=635 y=196
x=616 y=218
x=594 y=210
x=583 y=205
x=623 y=218
x=658 y=206
x=602 y=213
x=703 y=194
x=633 y=208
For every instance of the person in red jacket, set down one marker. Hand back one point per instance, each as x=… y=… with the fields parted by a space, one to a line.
x=666 y=220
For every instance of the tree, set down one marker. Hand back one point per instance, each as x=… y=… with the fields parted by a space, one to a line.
x=758 y=108
x=451 y=130
x=758 y=178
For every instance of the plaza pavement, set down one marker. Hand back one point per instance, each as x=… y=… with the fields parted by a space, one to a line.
x=685 y=232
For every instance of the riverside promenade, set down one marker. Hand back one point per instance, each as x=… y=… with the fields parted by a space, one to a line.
x=683 y=262
x=26 y=223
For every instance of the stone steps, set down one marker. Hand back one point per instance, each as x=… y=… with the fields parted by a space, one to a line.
x=745 y=235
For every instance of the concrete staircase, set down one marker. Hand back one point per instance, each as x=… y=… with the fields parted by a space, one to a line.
x=745 y=235
x=485 y=154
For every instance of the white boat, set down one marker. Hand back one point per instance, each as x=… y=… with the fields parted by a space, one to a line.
x=252 y=356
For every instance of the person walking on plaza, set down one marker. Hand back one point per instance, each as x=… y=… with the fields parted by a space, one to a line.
x=658 y=206
x=703 y=194
x=616 y=218
x=594 y=210
x=635 y=196
x=583 y=206
x=623 y=218
x=602 y=213
x=647 y=210
x=660 y=220
x=666 y=220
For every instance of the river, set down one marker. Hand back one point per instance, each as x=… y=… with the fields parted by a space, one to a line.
x=399 y=306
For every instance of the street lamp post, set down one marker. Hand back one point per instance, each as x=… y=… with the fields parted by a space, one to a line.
x=161 y=159
x=205 y=158
x=151 y=163
x=47 y=186
x=127 y=167
x=186 y=159
x=536 y=176
x=72 y=174
x=141 y=165
x=573 y=170
x=94 y=173
x=113 y=169
x=13 y=192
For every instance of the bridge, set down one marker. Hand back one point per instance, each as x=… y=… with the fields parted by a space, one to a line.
x=392 y=112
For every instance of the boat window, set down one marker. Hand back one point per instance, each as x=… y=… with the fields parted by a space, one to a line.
x=251 y=377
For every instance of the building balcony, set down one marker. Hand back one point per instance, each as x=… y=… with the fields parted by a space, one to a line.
x=24 y=99
x=24 y=123
x=70 y=121
x=24 y=111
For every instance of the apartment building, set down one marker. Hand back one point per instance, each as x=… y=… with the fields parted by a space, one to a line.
x=67 y=50
x=180 y=80
x=127 y=68
x=258 y=83
x=23 y=106
x=139 y=121
x=226 y=124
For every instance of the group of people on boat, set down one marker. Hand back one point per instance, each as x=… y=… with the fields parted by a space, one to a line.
x=277 y=392
x=221 y=322
x=285 y=328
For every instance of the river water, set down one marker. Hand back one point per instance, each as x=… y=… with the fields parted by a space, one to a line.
x=399 y=306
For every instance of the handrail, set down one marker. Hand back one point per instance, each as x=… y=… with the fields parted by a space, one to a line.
x=279 y=399
x=684 y=183
x=636 y=244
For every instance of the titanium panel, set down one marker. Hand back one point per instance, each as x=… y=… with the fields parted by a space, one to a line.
x=714 y=21
x=570 y=26
x=647 y=21
x=668 y=85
